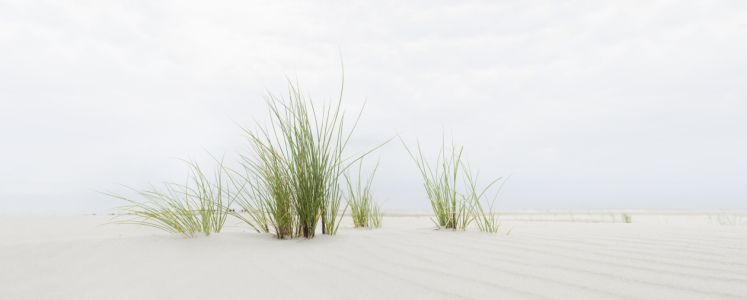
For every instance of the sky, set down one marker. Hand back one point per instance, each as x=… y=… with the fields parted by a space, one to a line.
x=585 y=104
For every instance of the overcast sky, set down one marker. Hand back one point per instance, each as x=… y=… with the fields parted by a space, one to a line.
x=589 y=104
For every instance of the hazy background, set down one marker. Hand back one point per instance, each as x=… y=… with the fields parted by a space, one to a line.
x=589 y=105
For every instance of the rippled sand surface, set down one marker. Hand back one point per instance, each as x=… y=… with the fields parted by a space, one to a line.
x=544 y=257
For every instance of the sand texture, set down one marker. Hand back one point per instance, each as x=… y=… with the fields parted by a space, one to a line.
x=71 y=258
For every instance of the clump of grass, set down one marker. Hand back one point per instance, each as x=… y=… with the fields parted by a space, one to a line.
x=200 y=205
x=626 y=218
x=485 y=219
x=377 y=216
x=267 y=197
x=365 y=211
x=293 y=167
x=454 y=210
x=451 y=212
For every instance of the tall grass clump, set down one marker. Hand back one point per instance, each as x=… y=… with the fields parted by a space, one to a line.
x=199 y=205
x=292 y=168
x=364 y=210
x=454 y=209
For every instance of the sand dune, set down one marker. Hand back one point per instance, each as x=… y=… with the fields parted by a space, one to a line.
x=72 y=258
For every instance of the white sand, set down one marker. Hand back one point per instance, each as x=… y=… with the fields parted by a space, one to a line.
x=71 y=258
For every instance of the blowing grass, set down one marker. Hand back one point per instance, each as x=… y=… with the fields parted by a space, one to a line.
x=365 y=211
x=199 y=206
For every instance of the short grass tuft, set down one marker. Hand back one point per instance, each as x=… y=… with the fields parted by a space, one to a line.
x=485 y=219
x=199 y=206
x=452 y=209
x=364 y=210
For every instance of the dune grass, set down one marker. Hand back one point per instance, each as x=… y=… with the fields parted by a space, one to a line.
x=364 y=210
x=201 y=205
x=377 y=216
x=440 y=182
x=293 y=167
x=485 y=219
x=452 y=209
x=267 y=196
x=626 y=218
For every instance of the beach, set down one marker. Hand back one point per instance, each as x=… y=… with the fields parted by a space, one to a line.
x=546 y=255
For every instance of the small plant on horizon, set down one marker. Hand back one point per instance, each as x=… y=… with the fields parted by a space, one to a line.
x=200 y=205
x=364 y=210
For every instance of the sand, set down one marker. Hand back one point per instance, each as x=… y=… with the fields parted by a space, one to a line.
x=544 y=257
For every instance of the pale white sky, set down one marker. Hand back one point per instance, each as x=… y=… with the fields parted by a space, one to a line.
x=589 y=104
